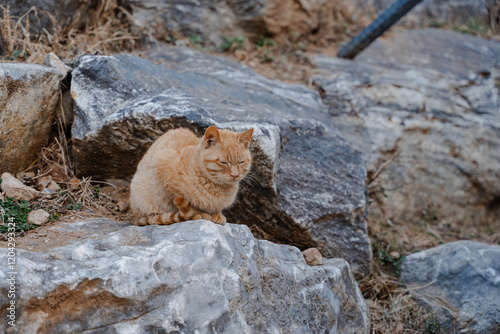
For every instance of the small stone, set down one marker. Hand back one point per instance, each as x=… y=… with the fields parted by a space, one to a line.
x=44 y=181
x=123 y=205
x=313 y=257
x=49 y=193
x=74 y=182
x=395 y=255
x=47 y=182
x=26 y=175
x=12 y=187
x=38 y=217
x=53 y=186
x=53 y=61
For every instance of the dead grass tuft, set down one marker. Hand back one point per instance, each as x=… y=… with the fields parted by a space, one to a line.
x=75 y=194
x=106 y=29
x=392 y=309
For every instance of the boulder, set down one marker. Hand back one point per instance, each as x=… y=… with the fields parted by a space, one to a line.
x=429 y=138
x=459 y=282
x=215 y=20
x=307 y=186
x=28 y=97
x=191 y=277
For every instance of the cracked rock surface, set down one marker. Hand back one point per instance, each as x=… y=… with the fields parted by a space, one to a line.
x=460 y=282
x=428 y=126
x=190 y=277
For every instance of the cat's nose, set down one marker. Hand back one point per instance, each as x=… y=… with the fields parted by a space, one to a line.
x=234 y=176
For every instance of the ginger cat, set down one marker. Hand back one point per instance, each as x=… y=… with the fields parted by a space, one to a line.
x=183 y=177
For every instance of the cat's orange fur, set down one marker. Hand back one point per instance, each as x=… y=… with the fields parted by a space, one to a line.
x=183 y=177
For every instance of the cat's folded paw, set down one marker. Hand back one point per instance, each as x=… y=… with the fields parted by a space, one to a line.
x=218 y=218
x=141 y=222
x=202 y=215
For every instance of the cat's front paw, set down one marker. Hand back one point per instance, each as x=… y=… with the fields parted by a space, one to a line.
x=218 y=218
x=142 y=222
x=202 y=215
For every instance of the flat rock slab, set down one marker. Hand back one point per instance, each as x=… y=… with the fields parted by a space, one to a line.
x=28 y=98
x=441 y=50
x=187 y=277
x=433 y=12
x=460 y=282
x=307 y=186
x=430 y=139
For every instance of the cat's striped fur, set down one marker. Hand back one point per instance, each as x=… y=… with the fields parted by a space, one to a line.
x=183 y=177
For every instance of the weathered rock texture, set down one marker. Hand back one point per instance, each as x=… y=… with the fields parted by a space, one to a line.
x=191 y=277
x=307 y=186
x=436 y=12
x=28 y=96
x=460 y=282
x=215 y=20
x=429 y=138
x=444 y=51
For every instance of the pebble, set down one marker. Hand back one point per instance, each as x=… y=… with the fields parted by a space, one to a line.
x=12 y=187
x=313 y=257
x=123 y=205
x=38 y=217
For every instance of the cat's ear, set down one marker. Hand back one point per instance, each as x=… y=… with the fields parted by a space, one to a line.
x=212 y=136
x=245 y=137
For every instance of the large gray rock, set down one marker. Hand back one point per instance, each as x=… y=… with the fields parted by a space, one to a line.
x=441 y=50
x=28 y=97
x=429 y=138
x=307 y=186
x=460 y=282
x=435 y=12
x=191 y=277
x=214 y=20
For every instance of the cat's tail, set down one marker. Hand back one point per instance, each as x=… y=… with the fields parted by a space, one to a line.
x=167 y=218
x=186 y=212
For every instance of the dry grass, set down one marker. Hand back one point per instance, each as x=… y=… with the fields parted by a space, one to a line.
x=75 y=195
x=107 y=29
x=392 y=310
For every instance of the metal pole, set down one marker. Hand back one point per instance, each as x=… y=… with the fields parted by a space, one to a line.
x=383 y=22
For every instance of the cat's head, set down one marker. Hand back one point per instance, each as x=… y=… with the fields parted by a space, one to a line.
x=225 y=155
